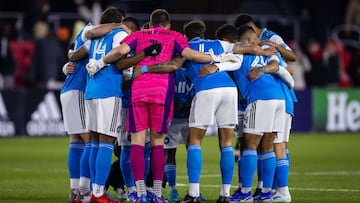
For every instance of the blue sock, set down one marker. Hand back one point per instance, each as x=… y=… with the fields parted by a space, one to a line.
x=288 y=155
x=282 y=172
x=268 y=162
x=248 y=166
x=125 y=167
x=259 y=169
x=92 y=159
x=239 y=170
x=170 y=173
x=74 y=156
x=147 y=154
x=194 y=163
x=275 y=182
x=227 y=164
x=84 y=166
x=103 y=162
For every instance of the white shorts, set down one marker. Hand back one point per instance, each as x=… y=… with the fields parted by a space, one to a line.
x=178 y=133
x=264 y=116
x=125 y=137
x=215 y=105
x=104 y=115
x=239 y=128
x=284 y=136
x=73 y=110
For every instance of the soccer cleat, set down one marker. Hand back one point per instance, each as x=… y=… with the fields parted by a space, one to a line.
x=83 y=198
x=121 y=194
x=189 y=199
x=264 y=197
x=72 y=196
x=223 y=199
x=241 y=197
x=278 y=197
x=156 y=199
x=257 y=192
x=133 y=196
x=141 y=199
x=202 y=198
x=173 y=195
x=150 y=195
x=103 y=199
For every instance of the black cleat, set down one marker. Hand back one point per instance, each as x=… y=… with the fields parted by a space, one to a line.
x=223 y=199
x=189 y=199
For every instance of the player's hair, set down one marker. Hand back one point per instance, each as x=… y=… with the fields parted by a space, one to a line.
x=160 y=17
x=111 y=15
x=226 y=32
x=145 y=25
x=243 y=19
x=133 y=21
x=244 y=31
x=195 y=28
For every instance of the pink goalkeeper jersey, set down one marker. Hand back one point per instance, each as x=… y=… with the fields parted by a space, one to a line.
x=154 y=87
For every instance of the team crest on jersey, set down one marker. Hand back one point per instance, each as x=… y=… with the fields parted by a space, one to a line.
x=166 y=140
x=118 y=129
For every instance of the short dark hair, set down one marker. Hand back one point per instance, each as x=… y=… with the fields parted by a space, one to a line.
x=195 y=28
x=133 y=21
x=160 y=17
x=226 y=32
x=111 y=15
x=243 y=30
x=145 y=25
x=243 y=19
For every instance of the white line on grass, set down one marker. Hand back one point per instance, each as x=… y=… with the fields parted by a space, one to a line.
x=291 y=188
x=315 y=173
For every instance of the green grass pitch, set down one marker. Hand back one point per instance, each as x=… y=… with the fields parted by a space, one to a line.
x=324 y=168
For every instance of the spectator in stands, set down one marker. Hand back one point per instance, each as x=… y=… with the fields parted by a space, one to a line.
x=317 y=76
x=331 y=63
x=352 y=15
x=47 y=58
x=345 y=58
x=300 y=67
x=6 y=58
x=354 y=68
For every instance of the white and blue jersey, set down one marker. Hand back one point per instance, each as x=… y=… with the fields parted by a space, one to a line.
x=265 y=87
x=77 y=80
x=272 y=36
x=184 y=92
x=108 y=81
x=290 y=96
x=215 y=80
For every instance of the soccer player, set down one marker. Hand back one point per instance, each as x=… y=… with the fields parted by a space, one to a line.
x=73 y=110
x=103 y=104
x=259 y=130
x=178 y=130
x=280 y=143
x=228 y=33
x=151 y=95
x=267 y=37
x=217 y=92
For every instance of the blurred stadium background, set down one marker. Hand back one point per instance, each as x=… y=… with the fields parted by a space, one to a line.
x=326 y=33
x=35 y=36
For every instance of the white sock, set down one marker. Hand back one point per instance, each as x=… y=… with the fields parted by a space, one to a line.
x=225 y=190
x=84 y=185
x=194 y=189
x=74 y=183
x=98 y=190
